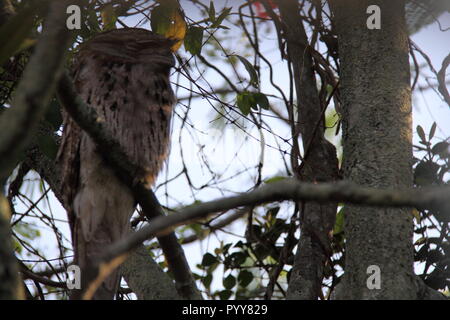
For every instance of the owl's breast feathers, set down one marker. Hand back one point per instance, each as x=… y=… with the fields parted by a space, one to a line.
x=124 y=75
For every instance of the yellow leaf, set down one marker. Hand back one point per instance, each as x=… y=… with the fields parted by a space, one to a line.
x=177 y=29
x=416 y=214
x=109 y=17
x=27 y=43
x=5 y=211
x=420 y=241
x=168 y=20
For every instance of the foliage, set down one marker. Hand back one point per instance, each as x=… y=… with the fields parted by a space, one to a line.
x=227 y=68
x=432 y=247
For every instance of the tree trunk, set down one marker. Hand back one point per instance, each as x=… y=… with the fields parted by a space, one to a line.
x=146 y=278
x=319 y=163
x=377 y=141
x=11 y=287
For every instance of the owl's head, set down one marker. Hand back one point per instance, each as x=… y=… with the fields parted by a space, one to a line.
x=131 y=45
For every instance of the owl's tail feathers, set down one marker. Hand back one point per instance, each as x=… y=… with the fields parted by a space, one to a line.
x=87 y=252
x=103 y=207
x=100 y=221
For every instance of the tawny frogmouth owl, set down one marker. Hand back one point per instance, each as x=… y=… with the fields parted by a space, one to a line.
x=124 y=75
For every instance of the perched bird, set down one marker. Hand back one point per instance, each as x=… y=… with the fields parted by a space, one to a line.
x=124 y=75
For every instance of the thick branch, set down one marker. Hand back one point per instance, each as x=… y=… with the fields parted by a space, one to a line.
x=377 y=143
x=28 y=274
x=10 y=282
x=289 y=189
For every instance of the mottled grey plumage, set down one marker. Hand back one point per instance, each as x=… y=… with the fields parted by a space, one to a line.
x=124 y=75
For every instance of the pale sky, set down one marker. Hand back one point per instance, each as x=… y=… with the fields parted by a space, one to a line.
x=228 y=151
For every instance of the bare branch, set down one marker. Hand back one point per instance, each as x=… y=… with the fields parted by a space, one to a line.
x=319 y=161
x=441 y=80
x=28 y=274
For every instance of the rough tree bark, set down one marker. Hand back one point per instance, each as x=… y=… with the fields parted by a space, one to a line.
x=11 y=286
x=146 y=278
x=377 y=141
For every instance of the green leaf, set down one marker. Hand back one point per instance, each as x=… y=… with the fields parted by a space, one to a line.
x=27 y=231
x=254 y=81
x=425 y=173
x=225 y=294
x=244 y=278
x=212 y=12
x=236 y=259
x=261 y=100
x=229 y=282
x=274 y=179
x=421 y=133
x=250 y=100
x=168 y=20
x=208 y=259
x=207 y=280
x=17 y=246
x=109 y=17
x=193 y=40
x=432 y=131
x=441 y=149
x=245 y=101
x=339 y=225
x=420 y=241
x=226 y=247
x=239 y=257
x=416 y=214
x=160 y=19
x=262 y=251
x=221 y=17
x=239 y=244
x=271 y=215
